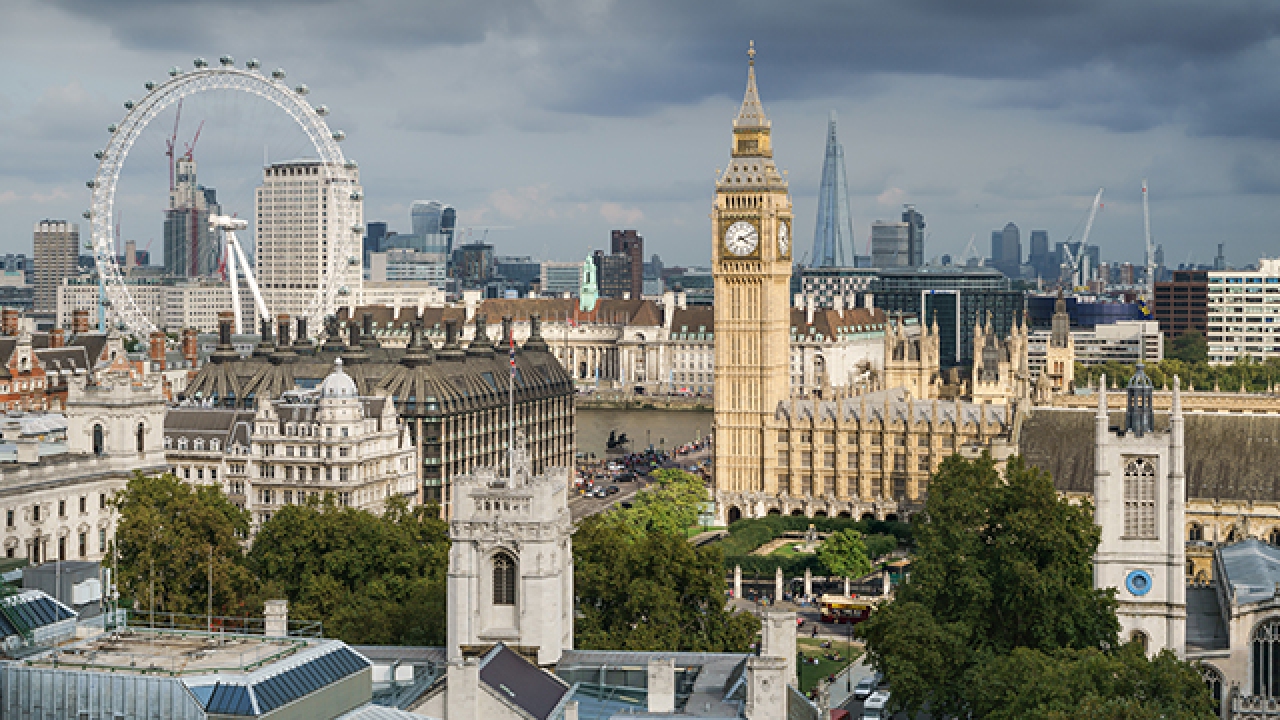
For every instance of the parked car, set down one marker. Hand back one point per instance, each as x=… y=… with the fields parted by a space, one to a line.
x=877 y=706
x=864 y=688
x=626 y=477
x=612 y=490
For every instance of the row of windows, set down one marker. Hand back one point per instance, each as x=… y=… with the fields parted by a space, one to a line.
x=34 y=549
x=10 y=516
x=806 y=437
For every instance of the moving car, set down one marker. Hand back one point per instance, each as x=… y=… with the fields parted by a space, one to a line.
x=612 y=490
x=864 y=688
x=877 y=706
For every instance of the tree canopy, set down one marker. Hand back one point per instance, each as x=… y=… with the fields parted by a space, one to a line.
x=1001 y=581
x=1190 y=347
x=844 y=554
x=642 y=586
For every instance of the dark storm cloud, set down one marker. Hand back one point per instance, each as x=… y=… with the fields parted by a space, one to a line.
x=1126 y=66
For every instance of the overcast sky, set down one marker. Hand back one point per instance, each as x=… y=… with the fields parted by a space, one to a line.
x=553 y=122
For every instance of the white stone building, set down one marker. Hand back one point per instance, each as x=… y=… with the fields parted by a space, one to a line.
x=58 y=472
x=304 y=445
x=1244 y=312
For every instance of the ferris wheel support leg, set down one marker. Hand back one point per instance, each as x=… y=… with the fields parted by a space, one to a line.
x=253 y=282
x=235 y=284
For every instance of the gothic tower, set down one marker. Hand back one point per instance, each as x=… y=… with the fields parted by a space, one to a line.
x=1140 y=499
x=1060 y=356
x=751 y=246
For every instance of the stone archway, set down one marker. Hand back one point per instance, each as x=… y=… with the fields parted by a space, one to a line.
x=891 y=517
x=820 y=513
x=774 y=511
x=868 y=516
x=735 y=514
x=845 y=514
x=797 y=513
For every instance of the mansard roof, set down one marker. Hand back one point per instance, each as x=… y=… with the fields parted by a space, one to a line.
x=1229 y=456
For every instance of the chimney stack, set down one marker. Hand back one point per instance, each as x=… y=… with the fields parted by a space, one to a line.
x=282 y=330
x=190 y=346
x=9 y=321
x=225 y=318
x=79 y=322
x=57 y=338
x=276 y=622
x=157 y=348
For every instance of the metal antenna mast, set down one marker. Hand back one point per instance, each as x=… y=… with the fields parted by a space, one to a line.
x=1151 y=270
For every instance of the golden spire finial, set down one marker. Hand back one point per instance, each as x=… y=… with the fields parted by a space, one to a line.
x=752 y=112
x=751 y=53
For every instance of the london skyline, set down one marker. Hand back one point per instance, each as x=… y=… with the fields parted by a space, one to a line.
x=557 y=123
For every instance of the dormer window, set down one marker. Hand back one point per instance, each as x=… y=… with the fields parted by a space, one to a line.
x=182 y=443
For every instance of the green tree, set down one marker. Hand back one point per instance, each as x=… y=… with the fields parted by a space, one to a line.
x=166 y=533
x=652 y=591
x=368 y=578
x=1190 y=347
x=671 y=506
x=1000 y=564
x=844 y=554
x=880 y=545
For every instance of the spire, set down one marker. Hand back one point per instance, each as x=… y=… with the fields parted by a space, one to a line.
x=752 y=112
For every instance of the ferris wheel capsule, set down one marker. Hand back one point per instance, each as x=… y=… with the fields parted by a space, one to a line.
x=99 y=155
x=87 y=215
x=175 y=71
x=322 y=110
x=253 y=64
x=128 y=104
x=149 y=86
x=302 y=90
x=112 y=128
x=90 y=184
x=277 y=74
x=339 y=135
x=227 y=60
x=200 y=63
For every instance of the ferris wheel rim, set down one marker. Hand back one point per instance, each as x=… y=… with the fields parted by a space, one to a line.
x=138 y=117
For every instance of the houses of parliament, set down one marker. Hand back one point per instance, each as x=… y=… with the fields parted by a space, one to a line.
x=869 y=450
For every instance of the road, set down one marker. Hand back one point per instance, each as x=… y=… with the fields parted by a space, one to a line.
x=581 y=506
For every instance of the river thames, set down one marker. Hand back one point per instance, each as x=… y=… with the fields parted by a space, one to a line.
x=642 y=427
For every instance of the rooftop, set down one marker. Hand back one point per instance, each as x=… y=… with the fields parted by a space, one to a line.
x=163 y=652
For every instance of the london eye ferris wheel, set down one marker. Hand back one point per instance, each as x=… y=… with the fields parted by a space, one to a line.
x=344 y=241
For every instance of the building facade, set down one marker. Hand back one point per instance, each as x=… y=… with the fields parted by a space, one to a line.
x=1243 y=313
x=306 y=211
x=630 y=244
x=56 y=254
x=1182 y=303
x=833 y=230
x=831 y=285
x=751 y=264
x=191 y=248
x=890 y=244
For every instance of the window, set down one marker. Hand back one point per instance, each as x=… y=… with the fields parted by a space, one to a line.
x=875 y=461
x=213 y=473
x=805 y=459
x=62 y=508
x=186 y=473
x=8 y=518
x=784 y=457
x=804 y=437
x=84 y=544
x=504 y=579
x=102 y=501
x=783 y=436
x=344 y=451
x=199 y=473
x=1195 y=533
x=140 y=436
x=344 y=474
x=98 y=440
x=829 y=460
x=923 y=463
x=344 y=432
x=1140 y=498
x=924 y=441
x=899 y=462
x=214 y=444
x=182 y=443
x=853 y=460
x=198 y=444
x=84 y=502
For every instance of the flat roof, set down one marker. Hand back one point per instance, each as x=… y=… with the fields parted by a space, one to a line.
x=143 y=651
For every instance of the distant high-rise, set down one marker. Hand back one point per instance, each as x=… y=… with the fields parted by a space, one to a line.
x=631 y=244
x=1006 y=251
x=834 y=228
x=1041 y=259
x=436 y=222
x=302 y=207
x=56 y=257
x=890 y=244
x=191 y=247
x=915 y=235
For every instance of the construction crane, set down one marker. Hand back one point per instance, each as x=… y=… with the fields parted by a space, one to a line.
x=1075 y=261
x=969 y=250
x=1151 y=268
x=171 y=143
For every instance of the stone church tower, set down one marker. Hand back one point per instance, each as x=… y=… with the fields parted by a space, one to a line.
x=751 y=247
x=1139 y=491
x=511 y=563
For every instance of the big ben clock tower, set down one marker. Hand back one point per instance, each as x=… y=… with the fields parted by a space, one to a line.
x=751 y=263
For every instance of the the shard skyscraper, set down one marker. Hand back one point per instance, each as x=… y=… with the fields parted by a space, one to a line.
x=834 y=231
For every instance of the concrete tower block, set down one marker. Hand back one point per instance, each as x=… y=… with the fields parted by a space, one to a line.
x=662 y=685
x=778 y=639
x=766 y=688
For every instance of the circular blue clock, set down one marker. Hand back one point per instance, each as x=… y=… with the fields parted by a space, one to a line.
x=1138 y=582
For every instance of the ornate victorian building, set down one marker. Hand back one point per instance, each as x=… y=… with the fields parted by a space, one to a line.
x=451 y=402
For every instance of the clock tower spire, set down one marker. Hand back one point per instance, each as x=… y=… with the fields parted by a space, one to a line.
x=751 y=266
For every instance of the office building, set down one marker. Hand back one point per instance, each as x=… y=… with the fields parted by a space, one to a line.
x=1127 y=342
x=1041 y=259
x=1006 y=251
x=307 y=212
x=191 y=248
x=630 y=244
x=56 y=254
x=830 y=286
x=22 y=264
x=434 y=220
x=833 y=230
x=1085 y=311
x=915 y=234
x=397 y=265
x=613 y=273
x=1182 y=302
x=472 y=265
x=890 y=244
x=1243 y=313
x=957 y=298
x=521 y=273
x=559 y=278
x=374 y=234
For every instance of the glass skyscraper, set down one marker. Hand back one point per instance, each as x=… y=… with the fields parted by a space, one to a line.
x=835 y=224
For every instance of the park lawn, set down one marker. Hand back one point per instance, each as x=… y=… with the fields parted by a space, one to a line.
x=812 y=647
x=788 y=550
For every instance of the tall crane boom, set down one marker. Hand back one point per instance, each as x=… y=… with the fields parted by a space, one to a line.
x=1093 y=212
x=1146 y=231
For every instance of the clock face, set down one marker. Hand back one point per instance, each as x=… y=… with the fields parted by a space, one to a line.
x=741 y=238
x=784 y=238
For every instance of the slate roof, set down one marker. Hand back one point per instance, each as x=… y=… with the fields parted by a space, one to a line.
x=522 y=683
x=1229 y=456
x=1205 y=628
x=1250 y=570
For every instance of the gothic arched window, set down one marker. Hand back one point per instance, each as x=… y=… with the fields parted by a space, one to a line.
x=1266 y=659
x=1196 y=533
x=1141 y=638
x=1274 y=537
x=97 y=439
x=1213 y=678
x=1140 y=499
x=504 y=579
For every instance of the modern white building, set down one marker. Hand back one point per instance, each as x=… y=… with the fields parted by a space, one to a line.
x=1244 y=313
x=561 y=278
x=1128 y=342
x=305 y=212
